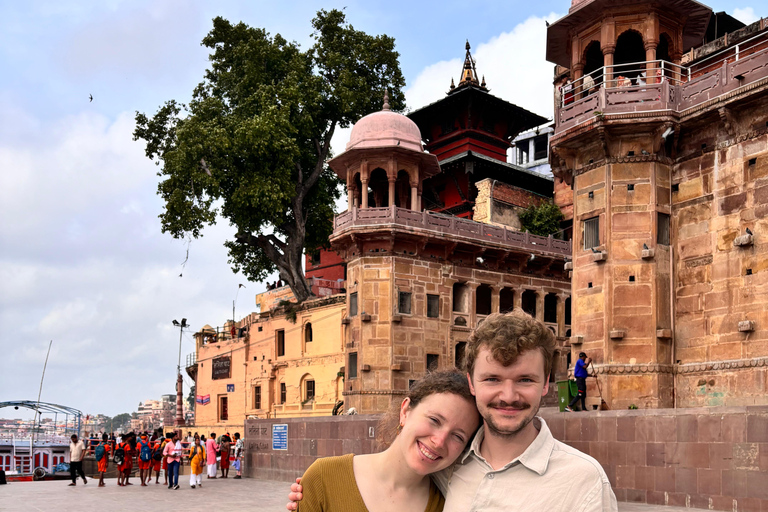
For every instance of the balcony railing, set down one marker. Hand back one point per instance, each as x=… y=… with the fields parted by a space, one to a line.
x=661 y=86
x=446 y=225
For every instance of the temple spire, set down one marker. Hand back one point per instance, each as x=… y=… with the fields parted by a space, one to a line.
x=468 y=73
x=386 y=99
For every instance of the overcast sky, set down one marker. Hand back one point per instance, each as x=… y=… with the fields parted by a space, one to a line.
x=82 y=258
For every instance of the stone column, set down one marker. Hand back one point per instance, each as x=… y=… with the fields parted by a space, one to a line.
x=650 y=57
x=415 y=196
x=495 y=290
x=364 y=193
x=608 y=63
x=578 y=87
x=561 y=314
x=472 y=304
x=392 y=190
x=608 y=46
x=517 y=298
x=540 y=305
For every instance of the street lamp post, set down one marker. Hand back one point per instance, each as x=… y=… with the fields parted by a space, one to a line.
x=179 y=391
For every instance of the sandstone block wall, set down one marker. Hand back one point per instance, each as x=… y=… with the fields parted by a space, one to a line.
x=710 y=458
x=722 y=190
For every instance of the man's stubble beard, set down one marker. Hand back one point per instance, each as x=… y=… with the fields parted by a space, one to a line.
x=496 y=431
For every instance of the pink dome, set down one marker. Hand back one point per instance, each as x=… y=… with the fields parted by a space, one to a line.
x=385 y=129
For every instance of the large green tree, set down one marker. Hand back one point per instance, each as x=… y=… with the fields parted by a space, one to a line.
x=253 y=142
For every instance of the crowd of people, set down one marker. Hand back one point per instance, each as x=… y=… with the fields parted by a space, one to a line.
x=158 y=452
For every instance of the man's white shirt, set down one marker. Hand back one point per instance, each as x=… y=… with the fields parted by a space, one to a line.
x=549 y=475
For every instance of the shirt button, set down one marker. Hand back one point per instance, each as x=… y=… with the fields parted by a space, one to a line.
x=490 y=476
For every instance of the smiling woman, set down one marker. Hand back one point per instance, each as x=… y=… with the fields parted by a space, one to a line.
x=431 y=429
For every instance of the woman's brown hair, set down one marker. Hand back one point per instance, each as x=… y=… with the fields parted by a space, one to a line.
x=443 y=381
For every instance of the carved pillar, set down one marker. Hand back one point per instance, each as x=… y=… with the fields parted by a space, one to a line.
x=495 y=290
x=608 y=63
x=517 y=298
x=650 y=65
x=364 y=192
x=415 y=196
x=391 y=181
x=561 y=314
x=578 y=72
x=472 y=304
x=540 y=305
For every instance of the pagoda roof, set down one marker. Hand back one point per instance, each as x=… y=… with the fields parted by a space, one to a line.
x=695 y=14
x=519 y=118
x=510 y=174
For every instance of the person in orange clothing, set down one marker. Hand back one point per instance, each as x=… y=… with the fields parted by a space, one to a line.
x=144 y=452
x=126 y=467
x=157 y=456
x=101 y=453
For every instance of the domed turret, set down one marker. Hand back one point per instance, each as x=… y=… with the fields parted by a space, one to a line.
x=385 y=152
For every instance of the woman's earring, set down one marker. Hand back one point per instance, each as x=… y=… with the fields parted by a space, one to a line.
x=399 y=428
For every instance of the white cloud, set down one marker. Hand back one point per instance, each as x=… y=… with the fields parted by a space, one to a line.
x=512 y=71
x=745 y=15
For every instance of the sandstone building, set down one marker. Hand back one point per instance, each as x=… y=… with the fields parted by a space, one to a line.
x=429 y=246
x=660 y=159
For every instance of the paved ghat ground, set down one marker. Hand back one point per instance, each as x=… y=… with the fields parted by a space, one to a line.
x=220 y=495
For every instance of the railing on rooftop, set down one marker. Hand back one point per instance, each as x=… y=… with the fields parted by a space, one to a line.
x=660 y=85
x=449 y=225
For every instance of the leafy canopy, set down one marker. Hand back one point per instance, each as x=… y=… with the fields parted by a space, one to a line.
x=542 y=220
x=252 y=144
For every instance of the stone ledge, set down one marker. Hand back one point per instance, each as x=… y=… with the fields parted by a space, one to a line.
x=617 y=369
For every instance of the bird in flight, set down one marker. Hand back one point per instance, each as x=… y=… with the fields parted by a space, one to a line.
x=205 y=167
x=90 y=96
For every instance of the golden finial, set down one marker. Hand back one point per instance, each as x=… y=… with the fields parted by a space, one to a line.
x=452 y=84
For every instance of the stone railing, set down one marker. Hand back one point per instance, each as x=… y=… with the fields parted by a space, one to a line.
x=449 y=226
x=734 y=70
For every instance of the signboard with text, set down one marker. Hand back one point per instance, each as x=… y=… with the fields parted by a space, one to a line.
x=280 y=436
x=221 y=368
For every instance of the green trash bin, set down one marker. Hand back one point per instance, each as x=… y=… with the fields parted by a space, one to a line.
x=566 y=390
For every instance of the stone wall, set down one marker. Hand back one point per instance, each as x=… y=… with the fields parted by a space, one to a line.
x=722 y=190
x=308 y=439
x=711 y=458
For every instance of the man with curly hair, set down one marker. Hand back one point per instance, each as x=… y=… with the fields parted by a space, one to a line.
x=508 y=360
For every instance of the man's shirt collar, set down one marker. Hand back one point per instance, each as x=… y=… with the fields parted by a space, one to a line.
x=535 y=457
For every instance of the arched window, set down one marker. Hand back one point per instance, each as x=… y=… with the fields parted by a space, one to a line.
x=483 y=300
x=308 y=332
x=593 y=64
x=307 y=388
x=403 y=189
x=358 y=198
x=529 y=302
x=630 y=53
x=664 y=53
x=506 y=300
x=378 y=185
x=550 y=308
x=460 y=298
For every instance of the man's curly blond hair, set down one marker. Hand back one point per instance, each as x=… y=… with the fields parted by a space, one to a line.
x=507 y=336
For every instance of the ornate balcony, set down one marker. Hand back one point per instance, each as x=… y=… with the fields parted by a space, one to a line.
x=662 y=87
x=448 y=228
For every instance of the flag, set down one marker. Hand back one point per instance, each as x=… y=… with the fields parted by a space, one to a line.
x=203 y=399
